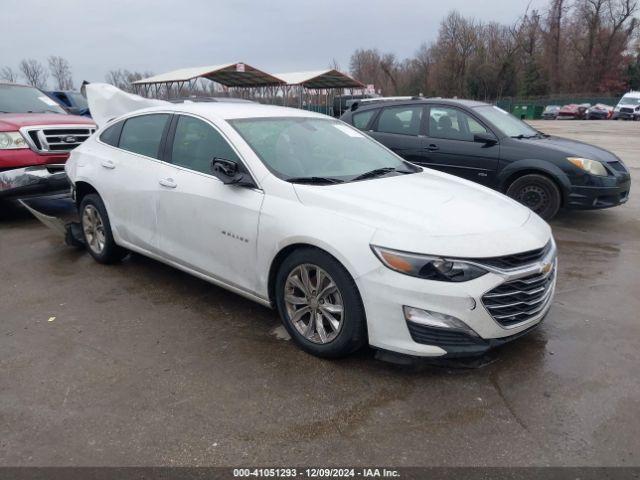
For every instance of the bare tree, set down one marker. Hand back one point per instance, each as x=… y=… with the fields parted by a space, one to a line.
x=575 y=46
x=9 y=74
x=424 y=63
x=61 y=73
x=34 y=72
x=123 y=79
x=601 y=33
x=334 y=65
x=554 y=46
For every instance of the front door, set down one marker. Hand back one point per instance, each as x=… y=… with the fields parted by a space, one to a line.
x=204 y=224
x=450 y=146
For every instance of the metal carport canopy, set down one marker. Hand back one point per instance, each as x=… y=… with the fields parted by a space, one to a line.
x=230 y=75
x=320 y=79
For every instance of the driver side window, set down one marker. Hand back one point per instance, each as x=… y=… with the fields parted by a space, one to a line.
x=453 y=124
x=196 y=144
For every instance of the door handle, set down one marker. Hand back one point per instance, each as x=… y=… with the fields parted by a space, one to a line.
x=168 y=182
x=432 y=147
x=108 y=164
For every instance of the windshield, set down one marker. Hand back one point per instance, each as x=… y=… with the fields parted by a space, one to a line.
x=303 y=147
x=505 y=122
x=19 y=99
x=78 y=100
x=630 y=101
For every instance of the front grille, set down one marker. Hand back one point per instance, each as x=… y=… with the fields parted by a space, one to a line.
x=626 y=110
x=519 y=300
x=54 y=139
x=516 y=260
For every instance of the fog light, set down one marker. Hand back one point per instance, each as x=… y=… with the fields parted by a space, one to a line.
x=436 y=319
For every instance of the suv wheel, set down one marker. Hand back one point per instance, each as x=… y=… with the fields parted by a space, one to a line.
x=96 y=231
x=319 y=304
x=537 y=192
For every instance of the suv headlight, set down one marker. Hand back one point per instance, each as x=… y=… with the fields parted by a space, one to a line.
x=12 y=141
x=592 y=166
x=428 y=267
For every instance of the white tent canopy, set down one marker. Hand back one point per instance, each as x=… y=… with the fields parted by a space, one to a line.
x=236 y=74
x=320 y=79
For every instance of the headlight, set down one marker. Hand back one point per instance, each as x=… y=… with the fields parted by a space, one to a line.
x=12 y=141
x=592 y=166
x=428 y=267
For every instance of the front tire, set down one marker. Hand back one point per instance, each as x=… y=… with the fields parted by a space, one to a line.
x=96 y=231
x=537 y=192
x=319 y=304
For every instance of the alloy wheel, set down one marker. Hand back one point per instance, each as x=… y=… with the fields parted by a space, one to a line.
x=314 y=303
x=93 y=228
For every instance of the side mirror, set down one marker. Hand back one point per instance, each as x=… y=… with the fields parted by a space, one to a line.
x=485 y=138
x=229 y=172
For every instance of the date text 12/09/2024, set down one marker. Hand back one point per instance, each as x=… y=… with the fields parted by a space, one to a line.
x=315 y=473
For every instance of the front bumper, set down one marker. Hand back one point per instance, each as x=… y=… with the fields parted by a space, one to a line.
x=33 y=181
x=616 y=192
x=597 y=116
x=623 y=116
x=460 y=344
x=385 y=292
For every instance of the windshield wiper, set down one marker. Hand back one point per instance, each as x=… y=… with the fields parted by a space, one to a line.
x=43 y=111
x=521 y=136
x=377 y=173
x=315 y=180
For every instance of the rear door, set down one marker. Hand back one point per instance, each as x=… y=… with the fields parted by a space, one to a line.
x=399 y=128
x=450 y=145
x=204 y=224
x=130 y=174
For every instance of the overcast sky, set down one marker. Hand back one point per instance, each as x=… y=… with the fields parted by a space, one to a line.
x=274 y=35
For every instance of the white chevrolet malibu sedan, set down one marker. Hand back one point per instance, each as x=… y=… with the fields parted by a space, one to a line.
x=301 y=212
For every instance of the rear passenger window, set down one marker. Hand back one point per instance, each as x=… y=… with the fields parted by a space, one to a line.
x=362 y=119
x=402 y=120
x=196 y=143
x=143 y=134
x=112 y=134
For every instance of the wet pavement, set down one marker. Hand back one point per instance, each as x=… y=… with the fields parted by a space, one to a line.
x=140 y=364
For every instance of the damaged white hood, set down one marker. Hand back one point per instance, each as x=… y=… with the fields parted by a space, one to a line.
x=107 y=102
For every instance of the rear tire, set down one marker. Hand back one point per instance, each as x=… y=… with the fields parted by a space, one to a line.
x=321 y=309
x=96 y=231
x=537 y=192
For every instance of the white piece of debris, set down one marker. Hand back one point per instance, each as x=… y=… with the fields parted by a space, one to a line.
x=107 y=102
x=281 y=333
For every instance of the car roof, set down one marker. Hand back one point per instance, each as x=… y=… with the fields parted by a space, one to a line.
x=428 y=101
x=231 y=110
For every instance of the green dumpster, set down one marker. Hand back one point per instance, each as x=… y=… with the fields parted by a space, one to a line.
x=528 y=111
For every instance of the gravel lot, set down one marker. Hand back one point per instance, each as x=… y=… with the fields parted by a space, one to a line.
x=145 y=365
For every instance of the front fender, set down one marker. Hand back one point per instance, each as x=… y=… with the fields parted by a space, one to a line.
x=345 y=240
x=534 y=166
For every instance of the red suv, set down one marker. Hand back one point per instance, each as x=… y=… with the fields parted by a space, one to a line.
x=36 y=136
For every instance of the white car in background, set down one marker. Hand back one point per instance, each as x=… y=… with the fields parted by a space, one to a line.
x=628 y=108
x=299 y=211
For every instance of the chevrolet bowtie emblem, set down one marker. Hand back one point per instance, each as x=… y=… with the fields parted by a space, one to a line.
x=546 y=268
